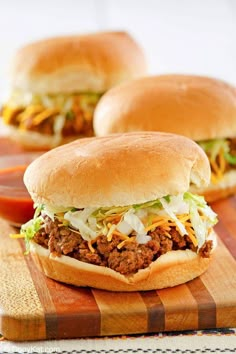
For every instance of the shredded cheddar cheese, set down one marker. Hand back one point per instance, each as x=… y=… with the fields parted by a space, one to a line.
x=44 y=115
x=15 y=236
x=110 y=232
x=192 y=236
x=164 y=221
x=218 y=167
x=9 y=112
x=155 y=225
x=167 y=234
x=222 y=161
x=122 y=236
x=90 y=246
x=114 y=218
x=129 y=239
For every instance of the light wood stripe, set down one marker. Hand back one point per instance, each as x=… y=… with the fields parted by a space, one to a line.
x=21 y=312
x=121 y=313
x=44 y=295
x=220 y=280
x=181 y=310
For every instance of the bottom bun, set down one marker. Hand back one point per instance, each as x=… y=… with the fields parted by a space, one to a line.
x=31 y=140
x=170 y=269
x=223 y=189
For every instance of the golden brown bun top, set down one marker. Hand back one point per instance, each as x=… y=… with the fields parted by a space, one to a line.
x=117 y=170
x=198 y=107
x=92 y=62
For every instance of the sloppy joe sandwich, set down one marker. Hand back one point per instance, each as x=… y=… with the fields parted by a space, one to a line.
x=57 y=82
x=201 y=108
x=116 y=213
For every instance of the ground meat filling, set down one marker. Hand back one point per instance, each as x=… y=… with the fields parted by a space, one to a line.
x=232 y=144
x=60 y=240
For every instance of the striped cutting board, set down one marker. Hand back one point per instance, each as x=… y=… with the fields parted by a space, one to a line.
x=34 y=307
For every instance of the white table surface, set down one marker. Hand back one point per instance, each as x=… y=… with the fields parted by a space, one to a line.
x=192 y=342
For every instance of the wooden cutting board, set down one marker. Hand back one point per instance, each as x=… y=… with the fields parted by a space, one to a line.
x=35 y=307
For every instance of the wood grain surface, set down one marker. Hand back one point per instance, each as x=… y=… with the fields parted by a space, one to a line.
x=33 y=306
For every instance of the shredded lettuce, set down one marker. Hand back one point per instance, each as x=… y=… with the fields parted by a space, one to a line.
x=133 y=220
x=231 y=159
x=102 y=213
x=202 y=206
x=38 y=209
x=170 y=209
x=197 y=223
x=124 y=227
x=62 y=101
x=136 y=224
x=79 y=220
x=129 y=220
x=153 y=204
x=142 y=239
x=29 y=230
x=198 y=206
x=213 y=147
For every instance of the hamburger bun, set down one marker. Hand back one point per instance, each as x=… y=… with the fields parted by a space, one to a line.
x=170 y=269
x=197 y=107
x=142 y=167
x=82 y=63
x=115 y=171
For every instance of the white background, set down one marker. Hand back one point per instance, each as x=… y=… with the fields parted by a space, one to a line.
x=179 y=36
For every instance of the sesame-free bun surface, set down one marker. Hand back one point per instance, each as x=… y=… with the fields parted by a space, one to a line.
x=117 y=170
x=198 y=107
x=170 y=269
x=84 y=63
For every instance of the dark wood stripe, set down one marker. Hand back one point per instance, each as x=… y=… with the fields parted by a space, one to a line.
x=77 y=310
x=44 y=295
x=226 y=227
x=226 y=210
x=155 y=310
x=206 y=304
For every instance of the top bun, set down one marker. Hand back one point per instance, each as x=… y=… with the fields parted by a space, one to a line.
x=117 y=170
x=198 y=107
x=88 y=63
